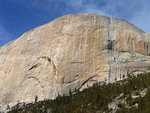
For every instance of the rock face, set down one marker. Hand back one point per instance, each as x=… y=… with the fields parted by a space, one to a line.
x=73 y=51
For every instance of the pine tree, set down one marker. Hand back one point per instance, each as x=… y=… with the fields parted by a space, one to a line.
x=36 y=98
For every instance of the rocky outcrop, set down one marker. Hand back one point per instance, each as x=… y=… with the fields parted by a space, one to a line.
x=73 y=51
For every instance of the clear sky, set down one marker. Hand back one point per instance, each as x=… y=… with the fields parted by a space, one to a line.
x=19 y=16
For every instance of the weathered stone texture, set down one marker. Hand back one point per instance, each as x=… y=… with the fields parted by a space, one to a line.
x=71 y=52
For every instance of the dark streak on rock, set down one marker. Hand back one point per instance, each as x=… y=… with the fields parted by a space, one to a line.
x=37 y=80
x=87 y=80
x=35 y=66
x=49 y=60
x=77 y=62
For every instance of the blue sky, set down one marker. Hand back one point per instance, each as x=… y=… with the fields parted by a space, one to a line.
x=19 y=16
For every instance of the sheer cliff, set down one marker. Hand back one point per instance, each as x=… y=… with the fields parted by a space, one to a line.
x=73 y=51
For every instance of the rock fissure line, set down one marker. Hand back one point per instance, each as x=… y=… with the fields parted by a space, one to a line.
x=49 y=60
x=31 y=77
x=36 y=42
x=110 y=39
x=87 y=81
x=34 y=66
x=37 y=80
x=77 y=62
x=70 y=82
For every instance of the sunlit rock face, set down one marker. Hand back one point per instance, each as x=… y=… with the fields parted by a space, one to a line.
x=73 y=51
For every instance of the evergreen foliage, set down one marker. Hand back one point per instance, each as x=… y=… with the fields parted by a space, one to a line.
x=94 y=99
